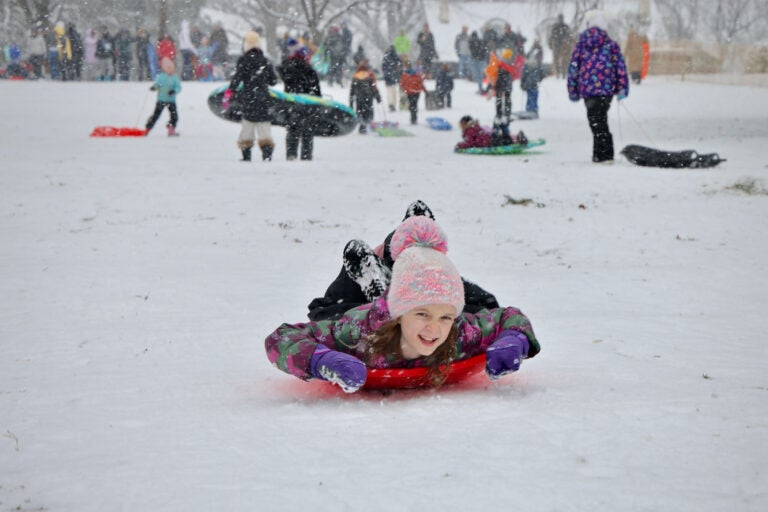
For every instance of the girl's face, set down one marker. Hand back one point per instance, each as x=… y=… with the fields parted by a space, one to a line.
x=425 y=328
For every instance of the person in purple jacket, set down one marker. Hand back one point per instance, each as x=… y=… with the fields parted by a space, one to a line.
x=418 y=323
x=597 y=73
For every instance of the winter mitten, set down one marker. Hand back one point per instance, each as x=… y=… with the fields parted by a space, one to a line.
x=225 y=102
x=344 y=370
x=506 y=353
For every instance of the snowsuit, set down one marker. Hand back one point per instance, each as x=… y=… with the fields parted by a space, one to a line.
x=291 y=346
x=256 y=74
x=412 y=84
x=596 y=73
x=362 y=92
x=167 y=87
x=475 y=136
x=299 y=77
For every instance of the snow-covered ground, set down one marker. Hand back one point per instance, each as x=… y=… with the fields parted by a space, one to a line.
x=139 y=278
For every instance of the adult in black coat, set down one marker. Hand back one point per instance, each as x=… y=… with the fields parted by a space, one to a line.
x=392 y=69
x=256 y=74
x=299 y=78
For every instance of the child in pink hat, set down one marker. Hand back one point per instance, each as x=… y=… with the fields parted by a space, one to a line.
x=419 y=322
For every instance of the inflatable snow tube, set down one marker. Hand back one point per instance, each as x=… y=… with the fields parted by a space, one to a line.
x=511 y=149
x=329 y=118
x=412 y=378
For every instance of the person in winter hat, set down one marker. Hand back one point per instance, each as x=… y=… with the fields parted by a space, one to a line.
x=418 y=323
x=597 y=72
x=300 y=78
x=167 y=85
x=255 y=74
x=392 y=68
x=412 y=84
x=365 y=274
x=362 y=92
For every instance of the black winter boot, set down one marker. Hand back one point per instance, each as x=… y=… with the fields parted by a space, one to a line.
x=366 y=269
x=419 y=207
x=266 y=152
x=246 y=154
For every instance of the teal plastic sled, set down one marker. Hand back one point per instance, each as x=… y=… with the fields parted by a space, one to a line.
x=511 y=149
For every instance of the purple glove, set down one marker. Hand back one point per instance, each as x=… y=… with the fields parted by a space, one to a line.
x=345 y=370
x=506 y=353
x=227 y=99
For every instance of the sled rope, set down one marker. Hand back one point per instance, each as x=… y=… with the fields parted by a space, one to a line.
x=645 y=133
x=141 y=110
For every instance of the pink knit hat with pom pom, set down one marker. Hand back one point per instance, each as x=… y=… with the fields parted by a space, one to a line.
x=422 y=273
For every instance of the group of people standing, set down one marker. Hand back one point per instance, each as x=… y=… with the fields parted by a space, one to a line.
x=62 y=53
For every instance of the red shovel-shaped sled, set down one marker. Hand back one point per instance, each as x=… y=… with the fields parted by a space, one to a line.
x=124 y=131
x=114 y=131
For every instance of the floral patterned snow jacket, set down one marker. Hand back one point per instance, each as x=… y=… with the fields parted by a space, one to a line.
x=291 y=346
x=597 y=67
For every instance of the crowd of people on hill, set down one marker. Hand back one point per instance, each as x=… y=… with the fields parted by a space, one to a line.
x=63 y=53
x=492 y=57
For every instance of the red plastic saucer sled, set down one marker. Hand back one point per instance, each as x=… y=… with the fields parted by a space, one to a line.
x=410 y=378
x=114 y=131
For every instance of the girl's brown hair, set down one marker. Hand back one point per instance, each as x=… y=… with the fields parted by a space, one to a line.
x=385 y=342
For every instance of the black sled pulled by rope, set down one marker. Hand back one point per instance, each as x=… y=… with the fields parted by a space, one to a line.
x=649 y=157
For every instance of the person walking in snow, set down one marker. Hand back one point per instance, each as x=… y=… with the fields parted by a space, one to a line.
x=392 y=68
x=444 y=85
x=256 y=74
x=532 y=74
x=418 y=323
x=597 y=73
x=427 y=49
x=560 y=42
x=362 y=92
x=412 y=84
x=167 y=85
x=299 y=78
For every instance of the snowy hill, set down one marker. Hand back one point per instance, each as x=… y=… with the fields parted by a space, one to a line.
x=141 y=276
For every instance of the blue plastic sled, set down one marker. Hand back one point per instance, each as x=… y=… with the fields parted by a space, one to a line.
x=439 y=123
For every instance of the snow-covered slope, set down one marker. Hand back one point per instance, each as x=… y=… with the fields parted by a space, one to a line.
x=139 y=278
